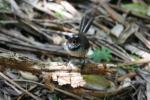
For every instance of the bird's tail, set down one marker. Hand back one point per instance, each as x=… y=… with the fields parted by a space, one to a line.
x=86 y=22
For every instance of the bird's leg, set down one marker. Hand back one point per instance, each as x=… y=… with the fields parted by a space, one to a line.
x=67 y=59
x=83 y=64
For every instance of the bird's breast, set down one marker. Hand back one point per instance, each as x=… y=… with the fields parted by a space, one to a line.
x=77 y=53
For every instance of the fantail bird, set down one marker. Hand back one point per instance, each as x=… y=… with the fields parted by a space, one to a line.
x=77 y=44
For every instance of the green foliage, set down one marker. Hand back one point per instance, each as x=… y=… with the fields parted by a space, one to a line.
x=4 y=6
x=101 y=54
x=58 y=15
x=97 y=82
x=55 y=97
x=131 y=67
x=138 y=8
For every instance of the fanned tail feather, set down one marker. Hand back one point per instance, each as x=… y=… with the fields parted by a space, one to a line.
x=85 y=23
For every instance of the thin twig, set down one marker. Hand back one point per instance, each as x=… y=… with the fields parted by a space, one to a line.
x=140 y=61
x=18 y=86
x=55 y=88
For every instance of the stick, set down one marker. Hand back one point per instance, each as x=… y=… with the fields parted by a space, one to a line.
x=18 y=86
x=140 y=61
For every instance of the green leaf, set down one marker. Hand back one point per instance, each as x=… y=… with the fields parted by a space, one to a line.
x=138 y=8
x=58 y=15
x=96 y=82
x=101 y=54
x=55 y=97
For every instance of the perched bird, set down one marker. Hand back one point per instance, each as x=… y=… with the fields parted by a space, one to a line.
x=77 y=44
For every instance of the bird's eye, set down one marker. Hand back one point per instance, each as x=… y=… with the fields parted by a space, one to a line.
x=74 y=41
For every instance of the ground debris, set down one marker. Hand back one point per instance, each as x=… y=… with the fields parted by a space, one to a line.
x=34 y=64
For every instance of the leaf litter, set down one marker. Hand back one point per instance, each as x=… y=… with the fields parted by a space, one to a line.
x=33 y=60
